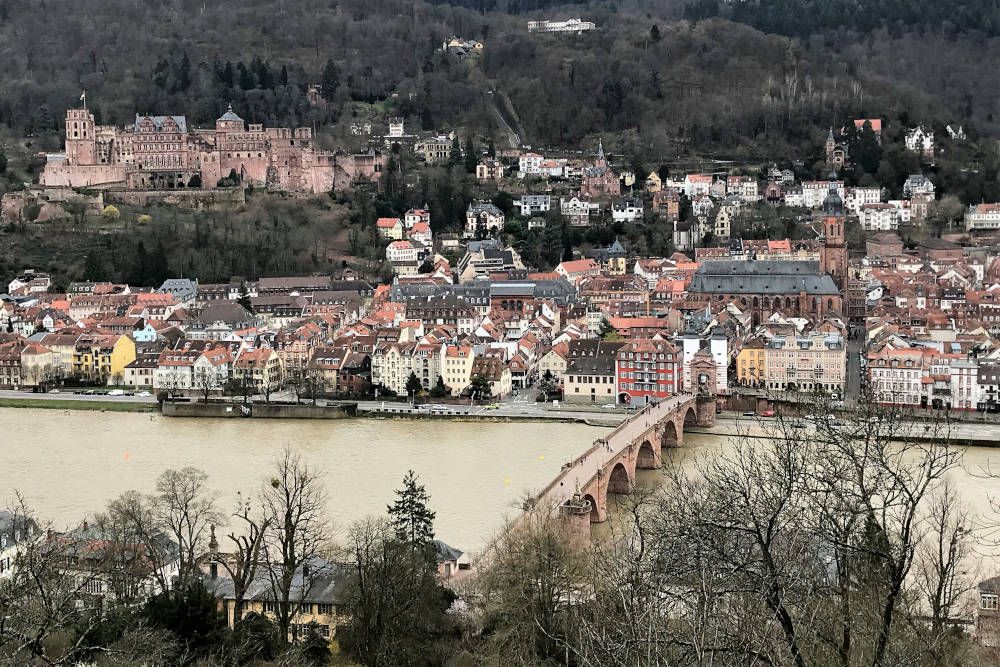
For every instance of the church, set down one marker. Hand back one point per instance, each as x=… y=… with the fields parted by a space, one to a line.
x=599 y=179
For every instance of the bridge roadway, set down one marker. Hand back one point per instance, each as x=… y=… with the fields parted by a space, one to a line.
x=609 y=465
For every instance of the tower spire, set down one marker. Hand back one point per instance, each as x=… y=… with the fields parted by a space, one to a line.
x=600 y=150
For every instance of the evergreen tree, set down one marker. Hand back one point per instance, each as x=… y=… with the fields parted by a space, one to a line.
x=413 y=384
x=139 y=275
x=409 y=514
x=481 y=387
x=183 y=78
x=3 y=163
x=191 y=615
x=159 y=269
x=491 y=149
x=439 y=390
x=314 y=647
x=245 y=76
x=606 y=331
x=330 y=80
x=470 y=155
x=93 y=267
x=455 y=155
x=654 y=33
x=227 y=75
x=283 y=77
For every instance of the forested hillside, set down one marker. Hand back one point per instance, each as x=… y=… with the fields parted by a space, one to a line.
x=653 y=86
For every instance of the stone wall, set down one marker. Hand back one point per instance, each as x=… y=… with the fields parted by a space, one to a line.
x=82 y=176
x=259 y=410
x=188 y=198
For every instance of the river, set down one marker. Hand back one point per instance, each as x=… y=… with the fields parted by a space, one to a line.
x=69 y=464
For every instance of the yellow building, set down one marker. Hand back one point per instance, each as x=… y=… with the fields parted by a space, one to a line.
x=103 y=357
x=317 y=589
x=653 y=182
x=259 y=368
x=751 y=363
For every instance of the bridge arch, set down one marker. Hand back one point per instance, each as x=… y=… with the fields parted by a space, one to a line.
x=648 y=457
x=620 y=481
x=670 y=436
x=690 y=416
x=595 y=511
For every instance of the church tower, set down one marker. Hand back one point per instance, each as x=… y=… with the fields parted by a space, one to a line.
x=833 y=254
x=601 y=160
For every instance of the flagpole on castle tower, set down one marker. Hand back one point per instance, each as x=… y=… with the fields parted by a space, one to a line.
x=83 y=98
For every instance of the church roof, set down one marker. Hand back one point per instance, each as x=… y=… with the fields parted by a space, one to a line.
x=761 y=277
x=616 y=249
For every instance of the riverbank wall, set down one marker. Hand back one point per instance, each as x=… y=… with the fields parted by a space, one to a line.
x=260 y=410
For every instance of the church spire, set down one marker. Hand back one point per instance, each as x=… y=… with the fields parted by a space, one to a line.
x=600 y=150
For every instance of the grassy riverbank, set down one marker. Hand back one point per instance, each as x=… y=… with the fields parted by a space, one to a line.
x=69 y=404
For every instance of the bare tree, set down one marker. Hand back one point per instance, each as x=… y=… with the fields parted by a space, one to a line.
x=242 y=565
x=294 y=505
x=51 y=604
x=186 y=508
x=944 y=558
x=535 y=571
x=206 y=381
x=172 y=525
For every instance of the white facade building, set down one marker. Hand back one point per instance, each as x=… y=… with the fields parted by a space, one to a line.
x=982 y=217
x=879 y=217
x=529 y=205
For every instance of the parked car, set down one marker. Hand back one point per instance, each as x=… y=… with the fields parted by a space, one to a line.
x=116 y=392
x=798 y=423
x=749 y=413
x=767 y=413
x=144 y=394
x=54 y=391
x=609 y=406
x=493 y=406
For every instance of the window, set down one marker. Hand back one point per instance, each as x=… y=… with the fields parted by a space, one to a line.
x=987 y=601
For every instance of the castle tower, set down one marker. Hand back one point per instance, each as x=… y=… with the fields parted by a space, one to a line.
x=81 y=145
x=833 y=253
x=230 y=122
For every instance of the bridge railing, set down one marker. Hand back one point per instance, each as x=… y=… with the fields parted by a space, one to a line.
x=637 y=422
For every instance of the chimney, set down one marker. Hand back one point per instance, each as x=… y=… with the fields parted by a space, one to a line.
x=305 y=570
x=213 y=569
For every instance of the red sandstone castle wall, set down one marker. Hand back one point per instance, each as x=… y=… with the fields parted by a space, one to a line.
x=81 y=176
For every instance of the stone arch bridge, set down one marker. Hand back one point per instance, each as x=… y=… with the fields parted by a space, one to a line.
x=581 y=489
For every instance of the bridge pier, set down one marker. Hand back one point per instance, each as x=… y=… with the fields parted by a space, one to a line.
x=705 y=409
x=575 y=513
